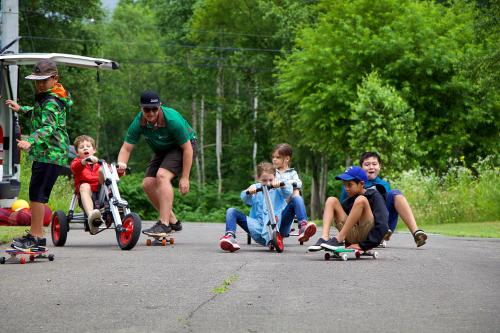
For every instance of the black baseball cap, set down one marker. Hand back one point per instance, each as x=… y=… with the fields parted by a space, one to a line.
x=150 y=99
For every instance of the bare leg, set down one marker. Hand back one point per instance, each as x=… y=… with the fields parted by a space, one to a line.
x=37 y=213
x=405 y=212
x=160 y=193
x=333 y=210
x=360 y=212
x=86 y=197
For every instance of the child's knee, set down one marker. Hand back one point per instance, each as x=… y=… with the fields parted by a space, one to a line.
x=84 y=188
x=331 y=201
x=361 y=200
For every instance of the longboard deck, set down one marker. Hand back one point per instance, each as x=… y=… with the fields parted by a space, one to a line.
x=160 y=240
x=341 y=253
x=18 y=256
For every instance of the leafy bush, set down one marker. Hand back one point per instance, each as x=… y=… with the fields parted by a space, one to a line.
x=461 y=195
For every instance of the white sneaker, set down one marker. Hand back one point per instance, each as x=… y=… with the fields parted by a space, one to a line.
x=95 y=215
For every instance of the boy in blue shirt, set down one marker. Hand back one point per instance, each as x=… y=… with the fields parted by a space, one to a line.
x=255 y=223
x=395 y=200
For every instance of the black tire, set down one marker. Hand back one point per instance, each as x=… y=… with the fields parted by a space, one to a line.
x=130 y=232
x=249 y=239
x=59 y=228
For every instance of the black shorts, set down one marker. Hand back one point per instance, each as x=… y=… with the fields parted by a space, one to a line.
x=43 y=178
x=170 y=160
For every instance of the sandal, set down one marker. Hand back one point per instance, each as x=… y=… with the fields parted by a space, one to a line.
x=420 y=237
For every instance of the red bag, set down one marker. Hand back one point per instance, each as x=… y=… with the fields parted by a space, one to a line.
x=22 y=217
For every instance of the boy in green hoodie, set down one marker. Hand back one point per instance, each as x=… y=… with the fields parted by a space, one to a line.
x=48 y=145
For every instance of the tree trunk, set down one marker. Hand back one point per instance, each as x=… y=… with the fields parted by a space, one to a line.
x=202 y=138
x=194 y=117
x=315 y=187
x=218 y=126
x=323 y=181
x=255 y=107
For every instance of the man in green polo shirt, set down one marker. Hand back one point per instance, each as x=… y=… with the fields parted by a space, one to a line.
x=173 y=142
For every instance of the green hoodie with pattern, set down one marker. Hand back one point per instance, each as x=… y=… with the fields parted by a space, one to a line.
x=49 y=139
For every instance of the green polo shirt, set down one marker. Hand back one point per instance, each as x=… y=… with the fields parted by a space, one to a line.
x=171 y=129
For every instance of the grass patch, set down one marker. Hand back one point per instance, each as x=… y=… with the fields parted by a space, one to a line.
x=9 y=233
x=225 y=285
x=472 y=229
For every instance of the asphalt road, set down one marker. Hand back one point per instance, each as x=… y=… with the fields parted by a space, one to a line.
x=449 y=285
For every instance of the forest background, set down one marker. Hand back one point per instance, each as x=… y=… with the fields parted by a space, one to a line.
x=416 y=81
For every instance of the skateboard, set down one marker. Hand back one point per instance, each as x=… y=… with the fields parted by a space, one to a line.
x=341 y=253
x=160 y=240
x=40 y=253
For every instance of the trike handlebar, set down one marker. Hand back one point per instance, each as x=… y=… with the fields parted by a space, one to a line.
x=268 y=187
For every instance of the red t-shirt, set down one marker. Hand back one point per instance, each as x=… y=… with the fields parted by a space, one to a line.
x=88 y=173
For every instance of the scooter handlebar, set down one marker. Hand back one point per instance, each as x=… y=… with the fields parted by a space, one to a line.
x=268 y=187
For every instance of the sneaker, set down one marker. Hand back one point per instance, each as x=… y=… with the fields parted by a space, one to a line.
x=28 y=242
x=177 y=226
x=333 y=244
x=388 y=234
x=94 y=221
x=317 y=246
x=228 y=243
x=306 y=231
x=159 y=229
x=420 y=237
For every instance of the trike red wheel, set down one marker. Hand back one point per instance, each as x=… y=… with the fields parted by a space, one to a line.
x=59 y=228
x=130 y=231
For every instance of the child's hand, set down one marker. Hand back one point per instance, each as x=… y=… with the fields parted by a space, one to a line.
x=12 y=105
x=252 y=189
x=93 y=159
x=25 y=145
x=276 y=183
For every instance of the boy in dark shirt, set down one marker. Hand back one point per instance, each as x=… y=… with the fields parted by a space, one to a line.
x=361 y=219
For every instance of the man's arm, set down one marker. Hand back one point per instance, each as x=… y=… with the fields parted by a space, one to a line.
x=187 y=161
x=124 y=155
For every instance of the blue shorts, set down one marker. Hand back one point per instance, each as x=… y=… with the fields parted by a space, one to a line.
x=43 y=178
x=393 y=214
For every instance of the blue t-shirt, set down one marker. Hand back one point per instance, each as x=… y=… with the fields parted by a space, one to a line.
x=370 y=183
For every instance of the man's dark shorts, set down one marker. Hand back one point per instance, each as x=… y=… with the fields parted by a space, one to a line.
x=170 y=160
x=43 y=178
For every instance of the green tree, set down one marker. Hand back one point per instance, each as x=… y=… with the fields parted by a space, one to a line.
x=415 y=46
x=383 y=122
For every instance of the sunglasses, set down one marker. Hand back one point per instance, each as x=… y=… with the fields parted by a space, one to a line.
x=148 y=110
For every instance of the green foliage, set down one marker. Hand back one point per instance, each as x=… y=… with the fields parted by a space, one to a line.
x=383 y=121
x=417 y=47
x=200 y=204
x=462 y=194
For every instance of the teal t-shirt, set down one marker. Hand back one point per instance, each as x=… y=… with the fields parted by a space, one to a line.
x=171 y=129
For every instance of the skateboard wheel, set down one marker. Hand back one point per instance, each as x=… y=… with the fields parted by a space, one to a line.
x=375 y=255
x=301 y=243
x=164 y=242
x=171 y=241
x=148 y=242
x=2 y=260
x=32 y=258
x=358 y=254
x=22 y=260
x=51 y=257
x=327 y=256
x=344 y=257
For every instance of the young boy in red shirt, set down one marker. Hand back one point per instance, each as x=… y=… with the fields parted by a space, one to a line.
x=86 y=172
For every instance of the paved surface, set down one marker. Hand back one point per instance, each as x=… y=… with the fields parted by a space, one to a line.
x=449 y=285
